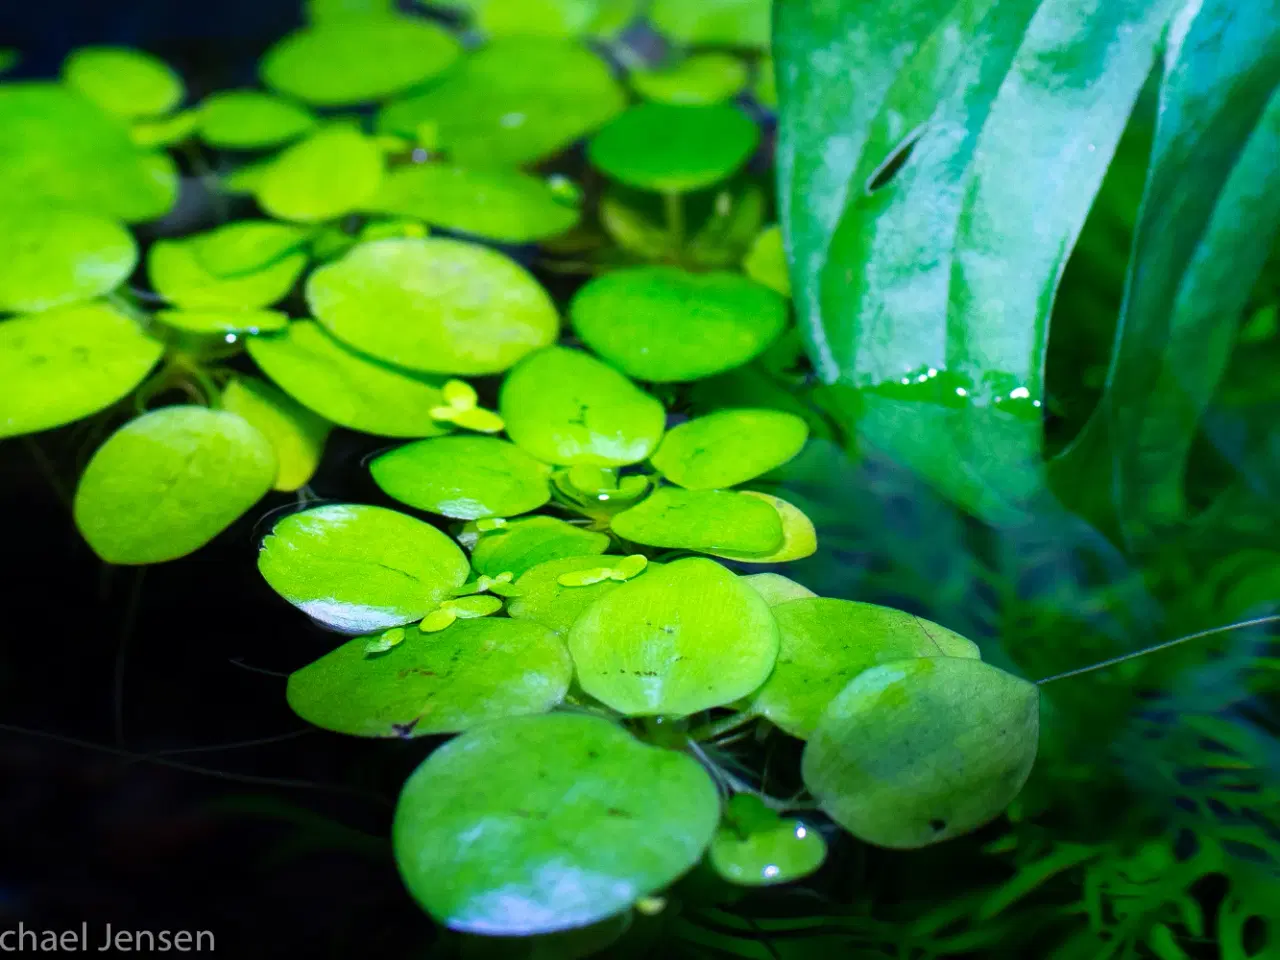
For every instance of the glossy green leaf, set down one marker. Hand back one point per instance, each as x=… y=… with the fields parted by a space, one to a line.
x=479 y=831
x=766 y=261
x=799 y=538
x=165 y=484
x=247 y=246
x=826 y=643
x=474 y=671
x=776 y=589
x=180 y=271
x=674 y=149
x=733 y=23
x=334 y=171
x=66 y=364
x=754 y=847
x=502 y=205
x=522 y=544
x=543 y=599
x=687 y=637
x=1209 y=216
x=251 y=120
x=297 y=434
x=224 y=321
x=701 y=80
x=465 y=477
x=548 y=18
x=442 y=306
x=702 y=520
x=513 y=103
x=566 y=407
x=61 y=148
x=164 y=131
x=729 y=447
x=925 y=235
x=917 y=751
x=125 y=82
x=50 y=257
x=680 y=325
x=355 y=60
x=347 y=388
x=359 y=568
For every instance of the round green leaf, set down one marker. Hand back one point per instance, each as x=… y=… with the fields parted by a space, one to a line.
x=549 y=18
x=543 y=599
x=334 y=171
x=297 y=435
x=481 y=826
x=224 y=321
x=754 y=847
x=359 y=568
x=128 y=83
x=729 y=447
x=826 y=643
x=674 y=149
x=766 y=261
x=347 y=388
x=501 y=205
x=473 y=671
x=701 y=80
x=251 y=120
x=52 y=257
x=248 y=246
x=917 y=751
x=515 y=102
x=566 y=407
x=442 y=306
x=525 y=543
x=776 y=589
x=65 y=364
x=355 y=60
x=729 y=23
x=664 y=325
x=465 y=477
x=702 y=520
x=60 y=148
x=799 y=539
x=179 y=271
x=688 y=637
x=165 y=484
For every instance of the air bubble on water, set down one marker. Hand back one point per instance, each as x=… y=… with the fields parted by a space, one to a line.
x=771 y=870
x=933 y=372
x=961 y=392
x=1019 y=393
x=230 y=338
x=906 y=379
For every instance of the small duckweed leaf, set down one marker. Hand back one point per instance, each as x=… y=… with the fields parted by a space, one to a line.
x=124 y=82
x=629 y=567
x=65 y=364
x=505 y=206
x=700 y=80
x=529 y=541
x=166 y=131
x=721 y=23
x=543 y=599
x=465 y=477
x=766 y=261
x=566 y=407
x=345 y=387
x=479 y=829
x=377 y=645
x=438 y=620
x=459 y=394
x=168 y=482
x=702 y=520
x=826 y=643
x=514 y=102
x=503 y=590
x=674 y=149
x=437 y=305
x=799 y=538
x=248 y=246
x=178 y=272
x=393 y=228
x=757 y=851
x=297 y=434
x=688 y=637
x=359 y=568
x=491 y=523
x=251 y=120
x=334 y=171
x=680 y=326
x=478 y=419
x=585 y=578
x=471 y=608
x=471 y=673
x=917 y=751
x=549 y=18
x=53 y=257
x=729 y=447
x=776 y=589
x=224 y=321
x=354 y=60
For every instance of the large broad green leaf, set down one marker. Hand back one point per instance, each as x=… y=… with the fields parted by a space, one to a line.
x=251 y=120
x=538 y=824
x=50 y=257
x=165 y=484
x=710 y=520
x=517 y=546
x=297 y=434
x=688 y=637
x=1210 y=213
x=729 y=447
x=936 y=163
x=799 y=537
x=335 y=171
x=360 y=568
x=777 y=589
x=542 y=598
x=65 y=364
x=128 y=83
x=445 y=682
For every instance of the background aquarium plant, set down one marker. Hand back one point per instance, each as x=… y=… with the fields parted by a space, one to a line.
x=627 y=478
